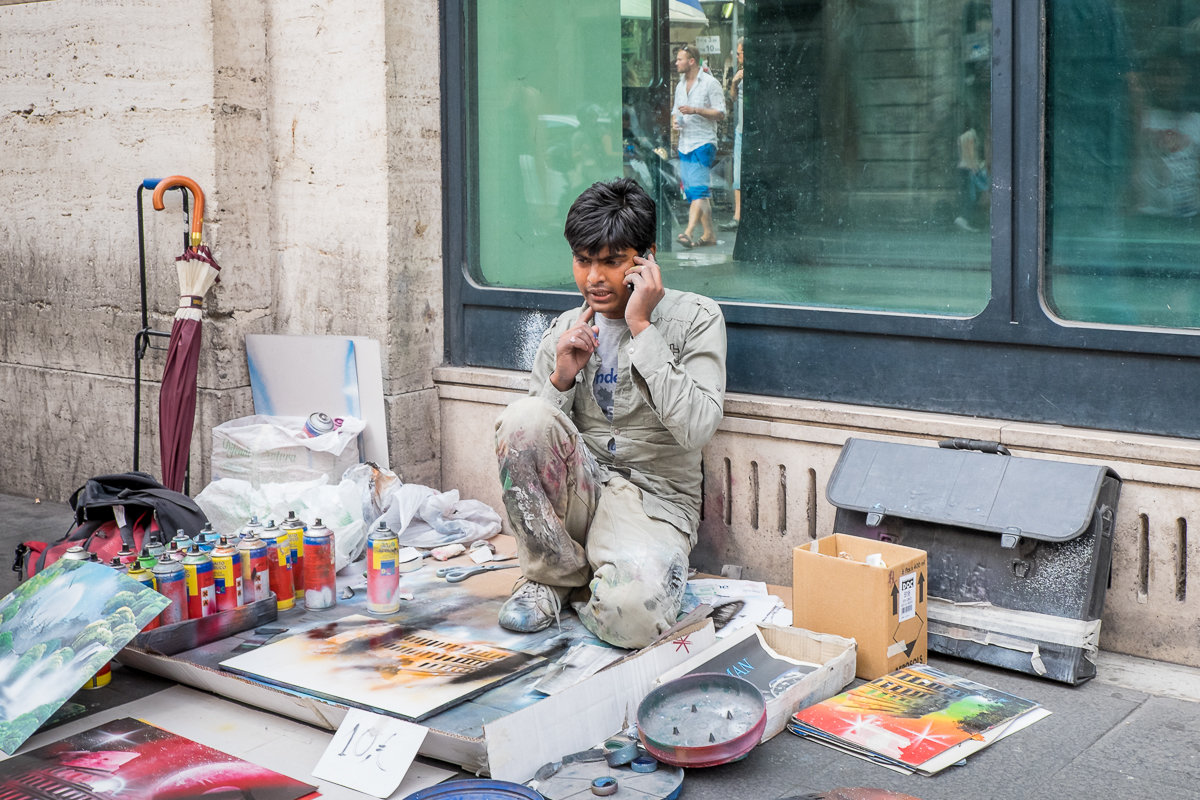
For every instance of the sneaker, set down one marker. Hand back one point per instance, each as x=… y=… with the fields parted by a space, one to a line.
x=731 y=225
x=531 y=608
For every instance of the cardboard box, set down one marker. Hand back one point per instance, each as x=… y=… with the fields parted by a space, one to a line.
x=834 y=654
x=882 y=608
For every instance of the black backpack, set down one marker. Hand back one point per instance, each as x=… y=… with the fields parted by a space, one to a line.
x=149 y=507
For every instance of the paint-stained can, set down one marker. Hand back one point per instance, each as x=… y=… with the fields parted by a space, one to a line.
x=170 y=582
x=383 y=574
x=156 y=547
x=207 y=538
x=182 y=541
x=227 y=574
x=76 y=552
x=320 y=584
x=146 y=560
x=279 y=559
x=295 y=528
x=143 y=576
x=318 y=423
x=256 y=575
x=115 y=564
x=126 y=555
x=252 y=526
x=201 y=584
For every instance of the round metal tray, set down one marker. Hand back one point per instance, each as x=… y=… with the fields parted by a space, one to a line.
x=702 y=720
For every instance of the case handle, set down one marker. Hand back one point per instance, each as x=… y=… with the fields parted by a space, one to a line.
x=981 y=445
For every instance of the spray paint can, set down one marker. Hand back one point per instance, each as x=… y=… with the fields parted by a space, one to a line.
x=143 y=576
x=295 y=528
x=76 y=552
x=182 y=541
x=383 y=575
x=170 y=581
x=256 y=576
x=156 y=547
x=227 y=574
x=253 y=525
x=145 y=559
x=320 y=583
x=317 y=424
x=201 y=585
x=279 y=559
x=207 y=538
x=126 y=555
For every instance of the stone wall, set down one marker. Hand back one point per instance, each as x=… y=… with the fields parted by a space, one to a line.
x=314 y=131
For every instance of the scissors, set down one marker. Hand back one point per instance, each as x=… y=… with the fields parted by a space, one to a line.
x=459 y=574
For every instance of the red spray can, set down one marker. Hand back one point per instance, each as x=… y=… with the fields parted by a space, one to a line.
x=295 y=528
x=256 y=576
x=169 y=581
x=201 y=584
x=227 y=574
x=320 y=583
x=383 y=574
x=279 y=559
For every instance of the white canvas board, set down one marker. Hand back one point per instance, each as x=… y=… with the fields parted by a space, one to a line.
x=339 y=375
x=376 y=664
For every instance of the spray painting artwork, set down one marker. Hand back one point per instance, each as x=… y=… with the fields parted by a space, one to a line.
x=127 y=759
x=377 y=665
x=57 y=629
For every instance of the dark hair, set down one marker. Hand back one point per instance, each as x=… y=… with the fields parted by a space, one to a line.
x=692 y=52
x=615 y=215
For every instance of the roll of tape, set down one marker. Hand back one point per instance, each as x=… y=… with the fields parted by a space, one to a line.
x=603 y=787
x=619 y=752
x=644 y=764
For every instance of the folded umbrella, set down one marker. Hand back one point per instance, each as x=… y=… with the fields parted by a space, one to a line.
x=197 y=271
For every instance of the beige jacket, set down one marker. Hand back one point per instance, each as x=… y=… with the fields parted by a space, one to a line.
x=667 y=404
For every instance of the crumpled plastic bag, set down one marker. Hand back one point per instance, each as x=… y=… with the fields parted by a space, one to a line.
x=420 y=516
x=230 y=502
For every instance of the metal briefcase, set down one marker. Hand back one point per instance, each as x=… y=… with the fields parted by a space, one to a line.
x=1019 y=548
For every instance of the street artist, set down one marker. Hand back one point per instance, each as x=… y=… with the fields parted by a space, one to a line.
x=600 y=465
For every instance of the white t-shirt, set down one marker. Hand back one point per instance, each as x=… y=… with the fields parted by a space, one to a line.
x=605 y=382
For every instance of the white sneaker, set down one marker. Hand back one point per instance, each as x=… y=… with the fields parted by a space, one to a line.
x=531 y=607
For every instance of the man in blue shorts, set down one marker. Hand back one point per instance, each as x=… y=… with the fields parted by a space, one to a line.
x=699 y=107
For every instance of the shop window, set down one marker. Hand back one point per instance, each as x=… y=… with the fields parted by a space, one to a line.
x=1123 y=162
x=862 y=167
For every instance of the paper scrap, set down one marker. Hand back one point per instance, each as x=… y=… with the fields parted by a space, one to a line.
x=370 y=753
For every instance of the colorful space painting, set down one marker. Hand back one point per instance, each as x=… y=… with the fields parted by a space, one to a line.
x=56 y=630
x=383 y=666
x=127 y=759
x=912 y=715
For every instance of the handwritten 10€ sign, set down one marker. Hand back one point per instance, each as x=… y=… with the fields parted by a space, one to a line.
x=370 y=753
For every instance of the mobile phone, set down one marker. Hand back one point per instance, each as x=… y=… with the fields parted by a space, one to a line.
x=645 y=254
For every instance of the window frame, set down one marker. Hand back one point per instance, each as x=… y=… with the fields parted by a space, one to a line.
x=1013 y=360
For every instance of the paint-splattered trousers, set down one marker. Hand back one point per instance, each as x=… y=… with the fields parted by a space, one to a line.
x=574 y=528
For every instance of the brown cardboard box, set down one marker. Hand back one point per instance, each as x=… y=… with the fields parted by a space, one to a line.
x=883 y=608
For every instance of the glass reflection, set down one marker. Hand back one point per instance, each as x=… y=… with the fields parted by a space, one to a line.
x=1123 y=162
x=842 y=160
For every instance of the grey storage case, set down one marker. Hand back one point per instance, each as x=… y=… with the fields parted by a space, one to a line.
x=1019 y=548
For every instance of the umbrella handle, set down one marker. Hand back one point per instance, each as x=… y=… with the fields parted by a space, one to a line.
x=197 y=194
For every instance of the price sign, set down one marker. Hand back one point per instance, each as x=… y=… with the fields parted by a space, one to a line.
x=370 y=753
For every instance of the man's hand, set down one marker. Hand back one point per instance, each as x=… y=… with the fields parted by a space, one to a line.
x=573 y=350
x=647 y=292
